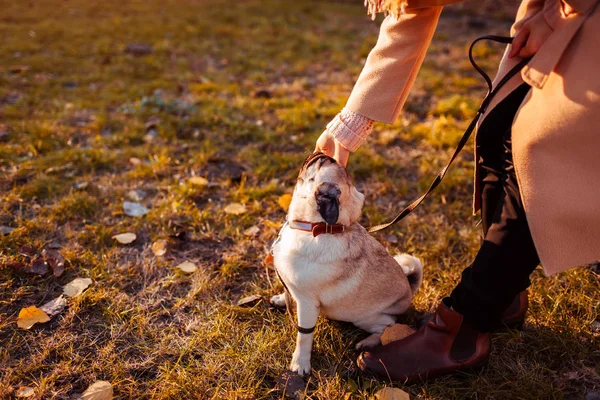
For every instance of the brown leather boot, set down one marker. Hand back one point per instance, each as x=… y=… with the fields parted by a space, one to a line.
x=514 y=316
x=443 y=345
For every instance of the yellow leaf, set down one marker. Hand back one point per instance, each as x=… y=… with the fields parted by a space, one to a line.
x=30 y=316
x=284 y=201
x=395 y=332
x=125 y=238
x=198 y=181
x=76 y=286
x=390 y=393
x=159 y=248
x=235 y=209
x=99 y=390
x=187 y=267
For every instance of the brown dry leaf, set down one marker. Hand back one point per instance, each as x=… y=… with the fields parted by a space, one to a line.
x=76 y=286
x=159 y=248
x=390 y=393
x=292 y=384
x=99 y=390
x=125 y=238
x=396 y=332
x=284 y=201
x=249 y=300
x=198 y=181
x=54 y=307
x=235 y=208
x=30 y=316
x=187 y=267
x=25 y=391
x=27 y=251
x=55 y=260
x=39 y=266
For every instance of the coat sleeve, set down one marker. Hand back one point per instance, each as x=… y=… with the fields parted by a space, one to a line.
x=393 y=64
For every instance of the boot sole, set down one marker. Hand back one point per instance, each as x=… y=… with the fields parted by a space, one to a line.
x=477 y=367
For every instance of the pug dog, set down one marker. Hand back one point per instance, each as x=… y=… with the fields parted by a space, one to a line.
x=331 y=266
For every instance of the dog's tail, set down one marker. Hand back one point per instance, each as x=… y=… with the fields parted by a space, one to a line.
x=413 y=269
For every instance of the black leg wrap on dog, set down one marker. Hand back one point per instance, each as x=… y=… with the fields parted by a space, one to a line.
x=305 y=330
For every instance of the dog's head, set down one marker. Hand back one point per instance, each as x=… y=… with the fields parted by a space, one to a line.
x=324 y=192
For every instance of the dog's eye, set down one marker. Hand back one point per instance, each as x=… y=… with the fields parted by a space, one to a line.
x=311 y=180
x=300 y=180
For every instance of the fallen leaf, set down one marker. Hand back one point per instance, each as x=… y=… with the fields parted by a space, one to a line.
x=136 y=195
x=284 y=201
x=99 y=390
x=17 y=265
x=30 y=316
x=125 y=238
x=5 y=230
x=198 y=181
x=395 y=332
x=55 y=261
x=291 y=383
x=80 y=185
x=187 y=266
x=25 y=391
x=390 y=393
x=54 y=307
x=39 y=266
x=159 y=248
x=252 y=231
x=135 y=161
x=249 y=300
x=76 y=286
x=134 y=209
x=54 y=245
x=27 y=251
x=235 y=209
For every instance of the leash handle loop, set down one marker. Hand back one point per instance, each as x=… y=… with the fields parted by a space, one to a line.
x=491 y=92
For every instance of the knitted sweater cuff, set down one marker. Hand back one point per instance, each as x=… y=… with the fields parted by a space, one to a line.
x=350 y=129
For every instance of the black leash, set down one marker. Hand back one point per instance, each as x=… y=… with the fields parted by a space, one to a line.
x=486 y=102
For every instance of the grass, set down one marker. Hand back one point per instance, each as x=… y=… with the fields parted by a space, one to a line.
x=236 y=93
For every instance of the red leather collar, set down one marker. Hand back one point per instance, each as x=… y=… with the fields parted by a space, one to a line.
x=317 y=228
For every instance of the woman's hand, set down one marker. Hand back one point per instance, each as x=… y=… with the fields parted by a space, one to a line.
x=530 y=37
x=331 y=147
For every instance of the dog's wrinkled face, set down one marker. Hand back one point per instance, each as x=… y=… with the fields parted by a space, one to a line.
x=324 y=192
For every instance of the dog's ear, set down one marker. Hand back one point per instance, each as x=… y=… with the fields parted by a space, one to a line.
x=327 y=196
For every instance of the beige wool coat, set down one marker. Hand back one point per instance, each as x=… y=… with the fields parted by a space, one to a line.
x=556 y=132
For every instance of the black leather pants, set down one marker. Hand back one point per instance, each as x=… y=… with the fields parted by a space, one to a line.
x=507 y=255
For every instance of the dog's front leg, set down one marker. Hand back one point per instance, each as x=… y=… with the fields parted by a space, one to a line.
x=308 y=312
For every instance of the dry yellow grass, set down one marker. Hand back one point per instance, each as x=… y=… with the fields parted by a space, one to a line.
x=234 y=92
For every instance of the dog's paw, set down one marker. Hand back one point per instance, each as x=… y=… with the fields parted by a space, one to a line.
x=300 y=366
x=369 y=342
x=278 y=301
